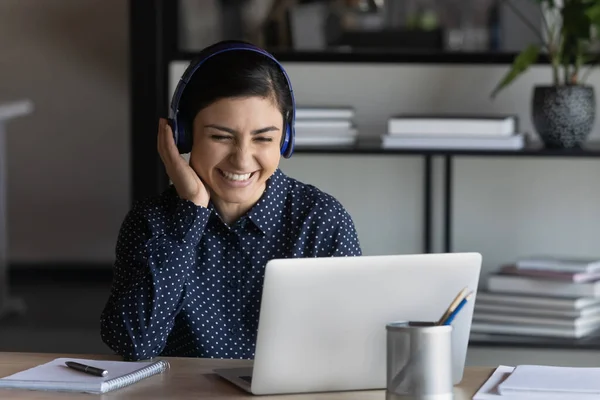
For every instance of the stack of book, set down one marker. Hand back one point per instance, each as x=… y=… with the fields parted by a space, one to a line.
x=541 y=296
x=325 y=126
x=453 y=132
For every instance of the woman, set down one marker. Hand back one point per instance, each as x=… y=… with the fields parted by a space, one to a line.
x=190 y=262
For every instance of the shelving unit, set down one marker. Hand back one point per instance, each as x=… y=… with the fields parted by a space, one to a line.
x=153 y=43
x=154 y=46
x=369 y=147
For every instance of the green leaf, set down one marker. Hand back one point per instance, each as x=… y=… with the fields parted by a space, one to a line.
x=576 y=23
x=522 y=62
x=593 y=13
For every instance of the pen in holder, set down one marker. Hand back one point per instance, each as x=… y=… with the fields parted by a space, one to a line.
x=419 y=361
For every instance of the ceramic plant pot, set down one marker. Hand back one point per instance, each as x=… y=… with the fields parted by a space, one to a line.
x=563 y=116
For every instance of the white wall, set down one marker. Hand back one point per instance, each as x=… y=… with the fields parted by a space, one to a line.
x=503 y=207
x=68 y=163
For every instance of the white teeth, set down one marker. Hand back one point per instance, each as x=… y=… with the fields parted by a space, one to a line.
x=236 y=177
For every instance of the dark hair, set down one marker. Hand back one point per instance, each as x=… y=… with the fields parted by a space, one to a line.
x=235 y=74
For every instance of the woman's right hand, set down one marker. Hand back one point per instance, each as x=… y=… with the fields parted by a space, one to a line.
x=188 y=184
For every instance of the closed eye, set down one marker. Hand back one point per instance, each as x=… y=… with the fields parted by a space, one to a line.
x=264 y=139
x=221 y=137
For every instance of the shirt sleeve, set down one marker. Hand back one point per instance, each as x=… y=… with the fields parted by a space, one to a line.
x=345 y=238
x=152 y=264
x=335 y=234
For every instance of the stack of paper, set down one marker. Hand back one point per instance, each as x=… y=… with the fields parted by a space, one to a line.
x=541 y=296
x=454 y=131
x=541 y=382
x=325 y=126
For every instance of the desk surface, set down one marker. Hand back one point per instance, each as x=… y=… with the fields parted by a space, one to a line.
x=192 y=378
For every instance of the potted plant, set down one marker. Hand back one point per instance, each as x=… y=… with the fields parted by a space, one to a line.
x=563 y=112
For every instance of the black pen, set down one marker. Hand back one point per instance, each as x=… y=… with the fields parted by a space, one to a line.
x=88 y=369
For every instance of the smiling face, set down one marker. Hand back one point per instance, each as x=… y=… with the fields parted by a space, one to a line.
x=236 y=149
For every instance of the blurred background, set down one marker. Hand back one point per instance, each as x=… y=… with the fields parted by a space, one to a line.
x=377 y=25
x=83 y=82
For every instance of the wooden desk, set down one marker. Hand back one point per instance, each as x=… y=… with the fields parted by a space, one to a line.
x=192 y=378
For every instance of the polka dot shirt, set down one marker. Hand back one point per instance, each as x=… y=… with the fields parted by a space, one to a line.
x=187 y=284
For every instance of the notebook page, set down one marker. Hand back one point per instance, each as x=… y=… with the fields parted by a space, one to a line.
x=489 y=390
x=552 y=380
x=55 y=375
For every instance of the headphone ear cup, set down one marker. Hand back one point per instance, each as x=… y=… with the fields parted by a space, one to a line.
x=175 y=130
x=286 y=139
x=184 y=145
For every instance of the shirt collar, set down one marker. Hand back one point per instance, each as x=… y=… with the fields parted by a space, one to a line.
x=267 y=212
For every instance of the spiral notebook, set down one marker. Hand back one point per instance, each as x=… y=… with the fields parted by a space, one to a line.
x=55 y=375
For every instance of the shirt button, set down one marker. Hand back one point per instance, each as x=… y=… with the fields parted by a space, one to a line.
x=188 y=220
x=235 y=330
x=233 y=283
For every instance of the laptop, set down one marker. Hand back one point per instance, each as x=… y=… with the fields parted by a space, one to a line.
x=322 y=320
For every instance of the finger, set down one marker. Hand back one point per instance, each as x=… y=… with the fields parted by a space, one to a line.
x=161 y=142
x=168 y=148
x=170 y=145
x=176 y=159
x=161 y=133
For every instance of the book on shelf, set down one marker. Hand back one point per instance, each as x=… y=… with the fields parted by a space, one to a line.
x=303 y=132
x=543 y=301
x=539 y=320
x=515 y=141
x=453 y=125
x=325 y=126
x=303 y=141
x=334 y=124
x=547 y=276
x=325 y=137
x=536 y=302
x=324 y=113
x=554 y=274
x=563 y=264
x=572 y=332
x=455 y=132
x=537 y=286
x=484 y=309
x=507 y=314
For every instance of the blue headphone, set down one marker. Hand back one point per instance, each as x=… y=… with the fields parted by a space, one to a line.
x=183 y=138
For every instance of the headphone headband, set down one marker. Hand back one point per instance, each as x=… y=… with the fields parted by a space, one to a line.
x=183 y=139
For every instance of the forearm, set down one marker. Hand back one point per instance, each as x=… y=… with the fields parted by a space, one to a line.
x=141 y=312
x=149 y=287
